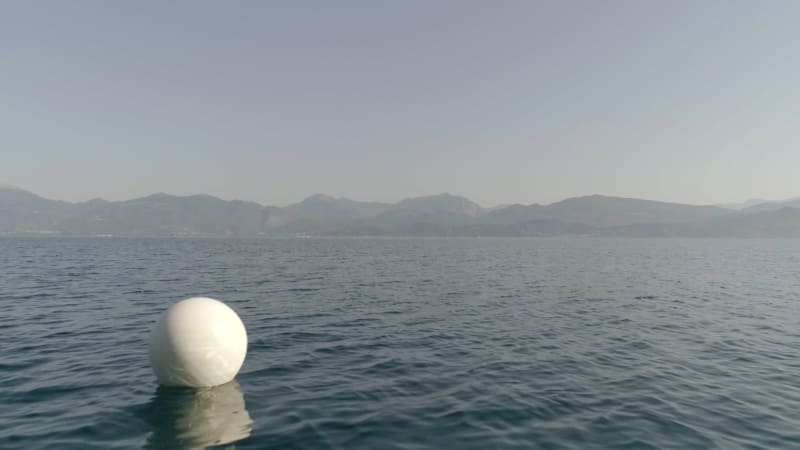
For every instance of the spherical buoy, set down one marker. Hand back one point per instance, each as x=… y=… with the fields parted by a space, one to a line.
x=198 y=342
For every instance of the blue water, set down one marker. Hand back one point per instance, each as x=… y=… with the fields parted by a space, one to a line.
x=409 y=343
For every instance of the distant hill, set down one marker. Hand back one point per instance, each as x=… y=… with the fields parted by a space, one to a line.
x=163 y=214
x=155 y=215
x=442 y=203
x=531 y=228
x=784 y=222
x=744 y=204
x=773 y=205
x=21 y=210
x=514 y=214
x=319 y=213
x=603 y=211
x=438 y=215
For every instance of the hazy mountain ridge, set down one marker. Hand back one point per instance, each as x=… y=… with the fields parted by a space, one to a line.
x=321 y=211
x=437 y=215
x=744 y=204
x=773 y=205
x=442 y=203
x=604 y=211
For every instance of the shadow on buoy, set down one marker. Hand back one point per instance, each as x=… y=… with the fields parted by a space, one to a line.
x=197 y=418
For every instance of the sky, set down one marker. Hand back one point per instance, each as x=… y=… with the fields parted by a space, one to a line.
x=502 y=102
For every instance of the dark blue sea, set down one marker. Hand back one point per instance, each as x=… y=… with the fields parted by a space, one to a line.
x=409 y=343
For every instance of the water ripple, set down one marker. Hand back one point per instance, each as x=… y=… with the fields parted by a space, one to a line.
x=409 y=344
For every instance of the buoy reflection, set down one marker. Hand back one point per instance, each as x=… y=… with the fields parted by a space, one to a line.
x=189 y=419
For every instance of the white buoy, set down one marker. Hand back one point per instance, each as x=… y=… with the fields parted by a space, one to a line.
x=198 y=342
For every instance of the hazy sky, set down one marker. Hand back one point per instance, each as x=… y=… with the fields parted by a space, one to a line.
x=500 y=101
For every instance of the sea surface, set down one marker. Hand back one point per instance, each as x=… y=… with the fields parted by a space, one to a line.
x=409 y=343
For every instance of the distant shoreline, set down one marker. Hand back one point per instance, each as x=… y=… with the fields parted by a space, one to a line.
x=444 y=215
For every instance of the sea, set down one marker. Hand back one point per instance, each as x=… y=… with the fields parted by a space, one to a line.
x=390 y=343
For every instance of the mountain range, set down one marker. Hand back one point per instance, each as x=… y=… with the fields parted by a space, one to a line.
x=23 y=212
